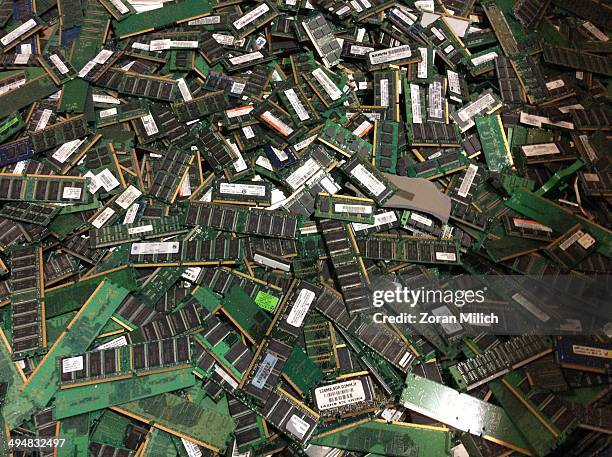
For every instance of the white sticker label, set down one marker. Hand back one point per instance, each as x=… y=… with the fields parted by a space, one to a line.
x=276 y=123
x=162 y=247
x=141 y=229
x=23 y=28
x=360 y=50
x=192 y=449
x=363 y=128
x=108 y=112
x=264 y=162
x=340 y=394
x=407 y=17
x=280 y=154
x=357 y=209
x=61 y=67
x=453 y=82
x=22 y=59
x=66 y=150
x=237 y=88
x=226 y=377
x=297 y=426
x=389 y=55
x=370 y=181
x=19 y=167
x=446 y=256
x=97 y=98
x=303 y=173
x=415 y=100
x=192 y=273
x=43 y=120
x=571 y=240
x=297 y=104
x=595 y=31
x=103 y=56
x=530 y=119
x=468 y=179
x=438 y=34
x=117 y=342
x=267 y=261
x=128 y=197
x=107 y=179
x=300 y=308
x=251 y=16
x=422 y=65
x=484 y=58
x=120 y=6
x=591 y=351
x=141 y=46
x=184 y=44
x=149 y=125
x=248 y=132
x=421 y=219
x=551 y=85
x=435 y=100
x=242 y=189
x=103 y=218
x=328 y=85
x=540 y=149
x=448 y=49
x=207 y=20
x=182 y=85
x=160 y=45
x=586 y=241
x=407 y=357
x=593 y=177
x=11 y=86
x=529 y=306
x=72 y=364
x=221 y=38
x=384 y=92
x=379 y=219
x=130 y=215
x=481 y=105
x=246 y=57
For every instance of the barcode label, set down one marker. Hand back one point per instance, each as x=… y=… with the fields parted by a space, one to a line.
x=22 y=29
x=264 y=371
x=415 y=100
x=162 y=247
x=246 y=57
x=595 y=31
x=422 y=65
x=43 y=120
x=207 y=20
x=540 y=149
x=300 y=307
x=340 y=394
x=331 y=89
x=435 y=100
x=476 y=107
x=251 y=16
x=141 y=229
x=120 y=6
x=297 y=104
x=130 y=214
x=66 y=150
x=184 y=90
x=115 y=343
x=389 y=55
x=108 y=112
x=98 y=98
x=360 y=50
x=379 y=219
x=591 y=351
x=276 y=123
x=571 y=240
x=242 y=189
x=149 y=124
x=192 y=449
x=61 y=67
x=107 y=179
x=421 y=219
x=446 y=256
x=222 y=38
x=103 y=218
x=368 y=180
x=303 y=173
x=453 y=82
x=72 y=364
x=71 y=193
x=404 y=16
x=479 y=60
x=128 y=197
x=384 y=92
x=356 y=209
x=468 y=179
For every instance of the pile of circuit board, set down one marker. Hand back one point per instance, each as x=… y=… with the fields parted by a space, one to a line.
x=200 y=199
